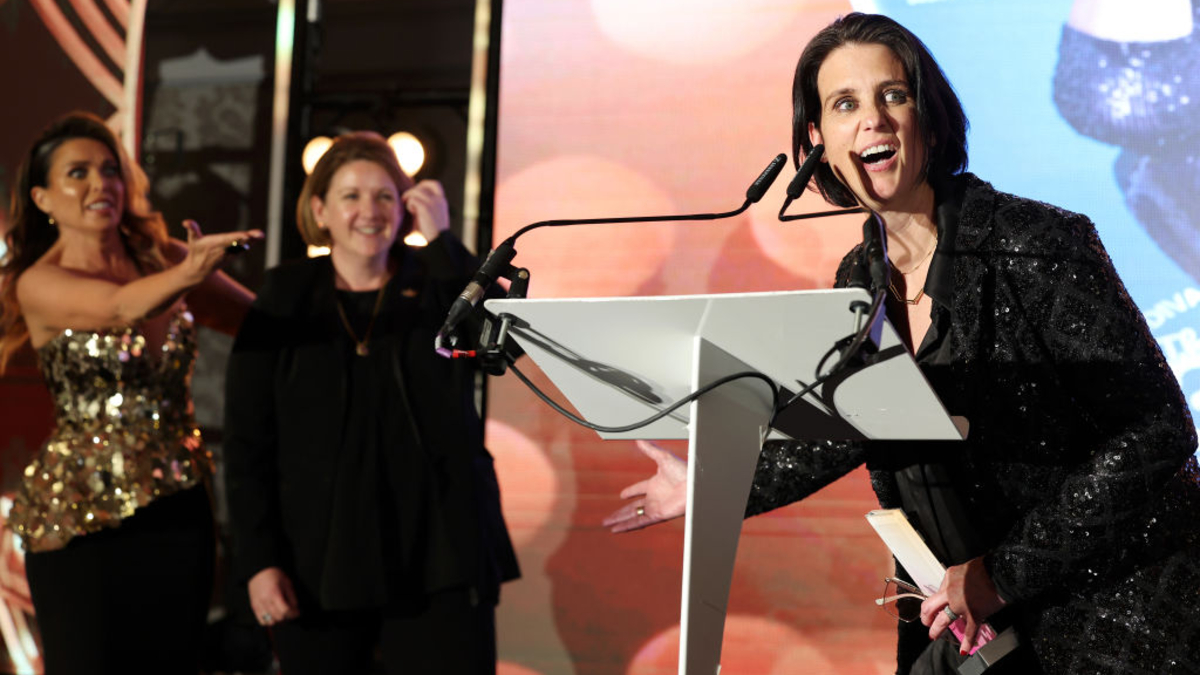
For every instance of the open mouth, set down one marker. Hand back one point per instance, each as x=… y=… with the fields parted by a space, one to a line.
x=877 y=154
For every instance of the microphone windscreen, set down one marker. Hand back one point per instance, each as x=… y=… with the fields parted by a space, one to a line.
x=807 y=169
x=759 y=187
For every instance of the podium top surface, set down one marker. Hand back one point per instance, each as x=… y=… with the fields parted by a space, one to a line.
x=619 y=360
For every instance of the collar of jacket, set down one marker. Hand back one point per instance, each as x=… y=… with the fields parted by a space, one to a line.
x=963 y=221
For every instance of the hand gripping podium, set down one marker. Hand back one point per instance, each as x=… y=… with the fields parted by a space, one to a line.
x=620 y=360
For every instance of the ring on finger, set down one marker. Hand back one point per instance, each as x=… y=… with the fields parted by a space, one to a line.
x=641 y=510
x=267 y=619
x=950 y=614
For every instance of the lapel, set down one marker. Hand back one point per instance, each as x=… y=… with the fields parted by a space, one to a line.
x=974 y=283
x=977 y=216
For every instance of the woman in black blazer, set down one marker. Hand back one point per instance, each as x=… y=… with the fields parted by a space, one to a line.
x=1070 y=510
x=364 y=506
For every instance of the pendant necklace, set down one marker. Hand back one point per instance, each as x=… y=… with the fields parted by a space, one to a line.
x=921 y=293
x=360 y=346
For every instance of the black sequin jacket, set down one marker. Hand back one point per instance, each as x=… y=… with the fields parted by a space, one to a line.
x=1078 y=470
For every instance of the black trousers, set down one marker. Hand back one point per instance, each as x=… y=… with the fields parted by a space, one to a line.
x=132 y=599
x=451 y=633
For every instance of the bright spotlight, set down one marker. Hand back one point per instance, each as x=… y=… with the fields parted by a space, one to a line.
x=410 y=152
x=313 y=152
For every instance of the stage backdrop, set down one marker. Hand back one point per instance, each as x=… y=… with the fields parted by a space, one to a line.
x=629 y=107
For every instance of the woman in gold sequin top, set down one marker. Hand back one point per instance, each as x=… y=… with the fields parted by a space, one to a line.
x=113 y=511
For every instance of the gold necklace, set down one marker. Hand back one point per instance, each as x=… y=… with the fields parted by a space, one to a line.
x=917 y=298
x=360 y=346
x=921 y=293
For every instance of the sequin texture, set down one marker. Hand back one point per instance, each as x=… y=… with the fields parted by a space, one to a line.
x=1142 y=97
x=124 y=432
x=1078 y=472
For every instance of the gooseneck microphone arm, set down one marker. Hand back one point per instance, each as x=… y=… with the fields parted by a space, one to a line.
x=753 y=194
x=873 y=261
x=498 y=262
x=800 y=181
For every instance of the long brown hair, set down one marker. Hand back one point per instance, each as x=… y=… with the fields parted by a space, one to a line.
x=30 y=233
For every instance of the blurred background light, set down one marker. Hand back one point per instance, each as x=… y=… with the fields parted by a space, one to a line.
x=410 y=152
x=313 y=152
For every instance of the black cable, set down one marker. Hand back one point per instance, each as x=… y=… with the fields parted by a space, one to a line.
x=776 y=408
x=852 y=350
x=657 y=416
x=830 y=352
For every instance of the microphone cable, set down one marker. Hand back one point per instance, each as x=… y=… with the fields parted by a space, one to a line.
x=655 y=417
x=753 y=194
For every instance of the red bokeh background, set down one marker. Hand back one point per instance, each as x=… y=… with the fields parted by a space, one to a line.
x=615 y=108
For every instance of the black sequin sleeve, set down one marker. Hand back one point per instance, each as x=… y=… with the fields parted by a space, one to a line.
x=1130 y=430
x=1140 y=95
x=789 y=471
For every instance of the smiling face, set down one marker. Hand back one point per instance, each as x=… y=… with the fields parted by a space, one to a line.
x=361 y=210
x=869 y=127
x=84 y=188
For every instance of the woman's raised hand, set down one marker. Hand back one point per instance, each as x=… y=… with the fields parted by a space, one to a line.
x=661 y=497
x=426 y=201
x=206 y=252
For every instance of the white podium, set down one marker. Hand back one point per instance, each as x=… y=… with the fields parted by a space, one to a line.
x=620 y=360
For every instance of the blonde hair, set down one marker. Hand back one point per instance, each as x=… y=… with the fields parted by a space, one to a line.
x=346 y=148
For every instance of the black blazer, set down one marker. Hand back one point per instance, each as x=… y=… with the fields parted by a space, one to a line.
x=285 y=405
x=1078 y=470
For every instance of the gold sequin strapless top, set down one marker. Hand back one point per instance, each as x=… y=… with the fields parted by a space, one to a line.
x=124 y=432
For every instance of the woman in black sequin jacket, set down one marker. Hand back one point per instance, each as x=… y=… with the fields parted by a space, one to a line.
x=1070 y=511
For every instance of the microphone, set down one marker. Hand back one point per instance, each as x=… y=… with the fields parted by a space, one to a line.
x=493 y=267
x=796 y=187
x=873 y=248
x=498 y=262
x=807 y=169
x=759 y=187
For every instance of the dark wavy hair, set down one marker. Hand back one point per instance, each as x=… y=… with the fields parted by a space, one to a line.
x=346 y=148
x=940 y=116
x=30 y=233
